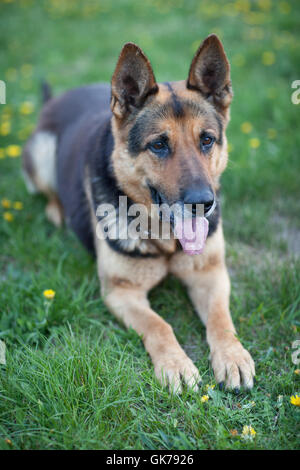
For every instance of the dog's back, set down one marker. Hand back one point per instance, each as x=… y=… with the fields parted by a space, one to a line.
x=53 y=158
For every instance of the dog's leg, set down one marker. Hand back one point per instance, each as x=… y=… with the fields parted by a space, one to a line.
x=54 y=211
x=209 y=288
x=170 y=361
x=209 y=292
x=39 y=170
x=125 y=283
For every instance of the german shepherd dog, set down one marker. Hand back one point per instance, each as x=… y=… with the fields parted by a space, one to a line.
x=152 y=143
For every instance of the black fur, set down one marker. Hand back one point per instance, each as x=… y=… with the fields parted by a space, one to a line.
x=46 y=92
x=78 y=119
x=214 y=218
x=220 y=125
x=176 y=104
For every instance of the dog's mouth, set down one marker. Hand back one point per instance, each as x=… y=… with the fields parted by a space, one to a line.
x=156 y=196
x=188 y=227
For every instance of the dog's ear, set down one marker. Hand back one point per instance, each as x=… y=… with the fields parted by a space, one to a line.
x=210 y=73
x=132 y=81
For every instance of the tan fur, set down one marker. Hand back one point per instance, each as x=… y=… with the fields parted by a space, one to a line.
x=184 y=135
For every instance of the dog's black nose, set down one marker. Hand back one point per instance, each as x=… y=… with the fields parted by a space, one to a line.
x=196 y=196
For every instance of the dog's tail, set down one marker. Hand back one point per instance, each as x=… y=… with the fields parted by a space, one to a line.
x=46 y=91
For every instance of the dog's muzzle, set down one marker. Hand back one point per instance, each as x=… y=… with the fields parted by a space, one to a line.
x=191 y=198
x=200 y=197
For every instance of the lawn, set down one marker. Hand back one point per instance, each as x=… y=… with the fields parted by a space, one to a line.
x=74 y=377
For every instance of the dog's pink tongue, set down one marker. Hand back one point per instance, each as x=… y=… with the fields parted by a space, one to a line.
x=192 y=233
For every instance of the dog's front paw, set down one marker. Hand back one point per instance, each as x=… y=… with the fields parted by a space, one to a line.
x=171 y=368
x=233 y=365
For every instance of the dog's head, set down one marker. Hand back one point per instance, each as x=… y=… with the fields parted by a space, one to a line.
x=170 y=143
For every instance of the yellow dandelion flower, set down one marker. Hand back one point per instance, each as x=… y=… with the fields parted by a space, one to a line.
x=49 y=294
x=272 y=133
x=248 y=432
x=6 y=203
x=5 y=128
x=204 y=398
x=254 y=143
x=295 y=400
x=18 y=205
x=268 y=58
x=246 y=127
x=26 y=107
x=297 y=371
x=2 y=153
x=13 y=151
x=8 y=216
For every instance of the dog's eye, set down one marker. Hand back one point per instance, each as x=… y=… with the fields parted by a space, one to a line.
x=206 y=141
x=159 y=147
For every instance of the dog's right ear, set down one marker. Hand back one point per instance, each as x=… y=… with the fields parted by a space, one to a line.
x=132 y=81
x=210 y=73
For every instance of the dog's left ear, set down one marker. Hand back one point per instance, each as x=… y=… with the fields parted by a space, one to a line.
x=132 y=82
x=210 y=73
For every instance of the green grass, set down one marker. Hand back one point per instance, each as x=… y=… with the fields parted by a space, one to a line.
x=75 y=378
